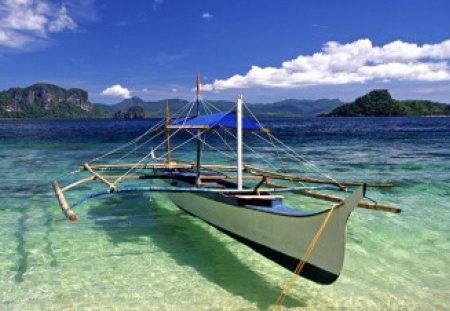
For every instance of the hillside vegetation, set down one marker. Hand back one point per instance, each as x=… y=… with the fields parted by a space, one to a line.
x=381 y=103
x=47 y=101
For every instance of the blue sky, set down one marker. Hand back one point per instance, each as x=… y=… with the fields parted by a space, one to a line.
x=267 y=50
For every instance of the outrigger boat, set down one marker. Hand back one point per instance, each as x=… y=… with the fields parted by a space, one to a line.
x=244 y=201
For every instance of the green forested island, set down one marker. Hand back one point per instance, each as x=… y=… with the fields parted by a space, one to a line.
x=48 y=101
x=380 y=103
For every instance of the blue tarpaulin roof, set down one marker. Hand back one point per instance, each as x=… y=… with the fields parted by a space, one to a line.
x=216 y=120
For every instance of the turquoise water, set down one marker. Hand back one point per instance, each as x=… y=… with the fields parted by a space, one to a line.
x=139 y=252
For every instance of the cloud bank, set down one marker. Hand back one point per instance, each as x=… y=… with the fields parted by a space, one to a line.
x=356 y=62
x=28 y=21
x=117 y=90
x=208 y=16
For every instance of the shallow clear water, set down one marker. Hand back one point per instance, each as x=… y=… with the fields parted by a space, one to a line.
x=140 y=252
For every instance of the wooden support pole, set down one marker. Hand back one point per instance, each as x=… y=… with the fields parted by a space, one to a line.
x=275 y=175
x=239 y=142
x=158 y=165
x=262 y=182
x=63 y=203
x=378 y=207
x=77 y=183
x=203 y=177
x=139 y=166
x=111 y=186
x=330 y=198
x=167 y=124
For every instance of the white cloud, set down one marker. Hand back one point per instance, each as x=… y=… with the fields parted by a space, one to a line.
x=319 y=26
x=62 y=22
x=174 y=90
x=26 y=21
x=157 y=3
x=208 y=16
x=117 y=90
x=355 y=62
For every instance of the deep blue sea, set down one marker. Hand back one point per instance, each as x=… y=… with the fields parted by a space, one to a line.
x=139 y=252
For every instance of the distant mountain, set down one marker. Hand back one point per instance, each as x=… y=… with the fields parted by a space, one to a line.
x=152 y=108
x=381 y=103
x=285 y=108
x=295 y=107
x=47 y=101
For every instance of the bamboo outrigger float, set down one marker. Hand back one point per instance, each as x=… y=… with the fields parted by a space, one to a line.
x=247 y=202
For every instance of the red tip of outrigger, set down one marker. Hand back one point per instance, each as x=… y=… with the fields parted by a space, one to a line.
x=72 y=218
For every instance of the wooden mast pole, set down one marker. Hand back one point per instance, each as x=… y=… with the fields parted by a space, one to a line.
x=167 y=124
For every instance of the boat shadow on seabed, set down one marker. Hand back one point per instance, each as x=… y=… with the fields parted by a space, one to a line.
x=130 y=217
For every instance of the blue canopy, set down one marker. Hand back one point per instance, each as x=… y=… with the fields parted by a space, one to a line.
x=215 y=120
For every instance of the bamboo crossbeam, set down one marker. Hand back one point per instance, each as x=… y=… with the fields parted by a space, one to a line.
x=77 y=183
x=211 y=166
x=129 y=177
x=248 y=168
x=136 y=177
x=111 y=186
x=219 y=166
x=161 y=165
x=63 y=203
x=188 y=127
x=203 y=177
x=276 y=175
x=142 y=165
x=330 y=198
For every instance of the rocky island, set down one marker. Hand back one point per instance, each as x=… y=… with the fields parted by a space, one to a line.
x=380 y=103
x=47 y=101
x=133 y=112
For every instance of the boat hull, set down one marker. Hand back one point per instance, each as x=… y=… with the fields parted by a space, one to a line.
x=281 y=237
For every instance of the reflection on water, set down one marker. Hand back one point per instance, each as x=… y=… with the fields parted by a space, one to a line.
x=140 y=252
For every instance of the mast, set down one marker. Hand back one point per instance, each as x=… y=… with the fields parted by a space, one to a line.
x=199 y=143
x=167 y=123
x=239 y=141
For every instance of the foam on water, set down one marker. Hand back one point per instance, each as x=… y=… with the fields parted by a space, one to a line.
x=138 y=251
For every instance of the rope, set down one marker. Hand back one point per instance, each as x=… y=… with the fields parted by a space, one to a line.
x=175 y=148
x=137 y=139
x=148 y=154
x=298 y=157
x=288 y=285
x=294 y=154
x=137 y=147
x=253 y=151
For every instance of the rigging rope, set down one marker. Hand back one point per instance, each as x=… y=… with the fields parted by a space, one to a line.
x=148 y=154
x=138 y=147
x=294 y=154
x=253 y=151
x=312 y=244
x=137 y=139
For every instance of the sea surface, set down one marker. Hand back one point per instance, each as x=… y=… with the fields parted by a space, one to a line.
x=139 y=252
